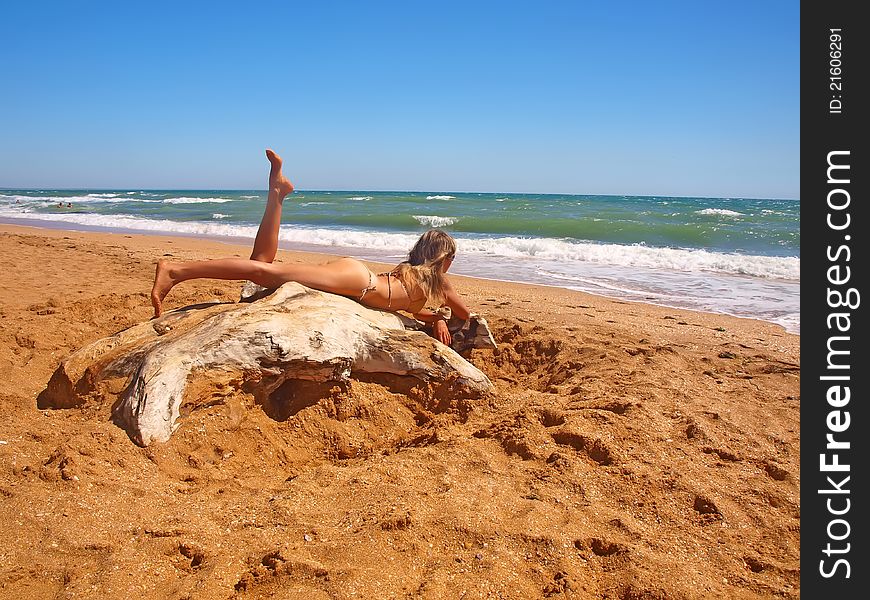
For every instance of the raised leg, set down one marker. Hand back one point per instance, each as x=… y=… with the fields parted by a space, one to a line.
x=266 y=242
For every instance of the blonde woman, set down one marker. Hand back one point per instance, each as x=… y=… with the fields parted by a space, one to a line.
x=413 y=286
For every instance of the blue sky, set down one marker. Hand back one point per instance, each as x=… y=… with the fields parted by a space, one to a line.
x=645 y=98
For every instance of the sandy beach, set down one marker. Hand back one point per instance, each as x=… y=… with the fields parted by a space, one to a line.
x=630 y=452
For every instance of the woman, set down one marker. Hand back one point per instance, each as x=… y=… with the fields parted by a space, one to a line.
x=413 y=285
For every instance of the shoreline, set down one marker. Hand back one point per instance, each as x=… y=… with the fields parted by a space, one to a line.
x=324 y=253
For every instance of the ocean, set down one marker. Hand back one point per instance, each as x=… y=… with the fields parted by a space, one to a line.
x=736 y=256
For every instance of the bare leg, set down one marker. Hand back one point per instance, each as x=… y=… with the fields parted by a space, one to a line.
x=345 y=276
x=169 y=274
x=266 y=242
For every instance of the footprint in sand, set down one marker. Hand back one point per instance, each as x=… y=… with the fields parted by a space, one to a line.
x=593 y=448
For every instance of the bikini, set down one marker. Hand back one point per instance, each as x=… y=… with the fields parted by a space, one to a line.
x=373 y=286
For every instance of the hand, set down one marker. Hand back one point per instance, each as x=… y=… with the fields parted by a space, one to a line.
x=440 y=332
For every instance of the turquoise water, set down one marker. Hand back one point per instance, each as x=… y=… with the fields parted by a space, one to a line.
x=733 y=255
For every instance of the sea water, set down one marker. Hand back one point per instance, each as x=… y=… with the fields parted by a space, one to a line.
x=737 y=256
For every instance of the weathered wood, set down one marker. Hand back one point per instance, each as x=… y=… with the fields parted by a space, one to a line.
x=292 y=333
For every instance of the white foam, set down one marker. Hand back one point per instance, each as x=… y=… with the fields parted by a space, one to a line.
x=637 y=256
x=675 y=259
x=435 y=221
x=188 y=200
x=394 y=243
x=88 y=199
x=138 y=224
x=790 y=322
x=54 y=199
x=442 y=197
x=777 y=301
x=360 y=198
x=621 y=288
x=719 y=211
x=219 y=216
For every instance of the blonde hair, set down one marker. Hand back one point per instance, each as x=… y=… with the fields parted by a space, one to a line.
x=424 y=265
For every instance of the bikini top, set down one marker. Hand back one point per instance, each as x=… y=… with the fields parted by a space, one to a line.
x=414 y=306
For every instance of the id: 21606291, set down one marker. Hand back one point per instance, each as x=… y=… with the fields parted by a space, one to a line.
x=835 y=70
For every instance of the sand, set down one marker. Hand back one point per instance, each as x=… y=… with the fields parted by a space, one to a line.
x=630 y=451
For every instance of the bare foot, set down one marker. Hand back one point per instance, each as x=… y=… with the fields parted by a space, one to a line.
x=163 y=282
x=277 y=181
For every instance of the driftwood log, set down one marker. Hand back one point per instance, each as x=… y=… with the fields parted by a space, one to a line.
x=292 y=333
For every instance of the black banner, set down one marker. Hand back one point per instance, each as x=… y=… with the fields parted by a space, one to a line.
x=834 y=265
